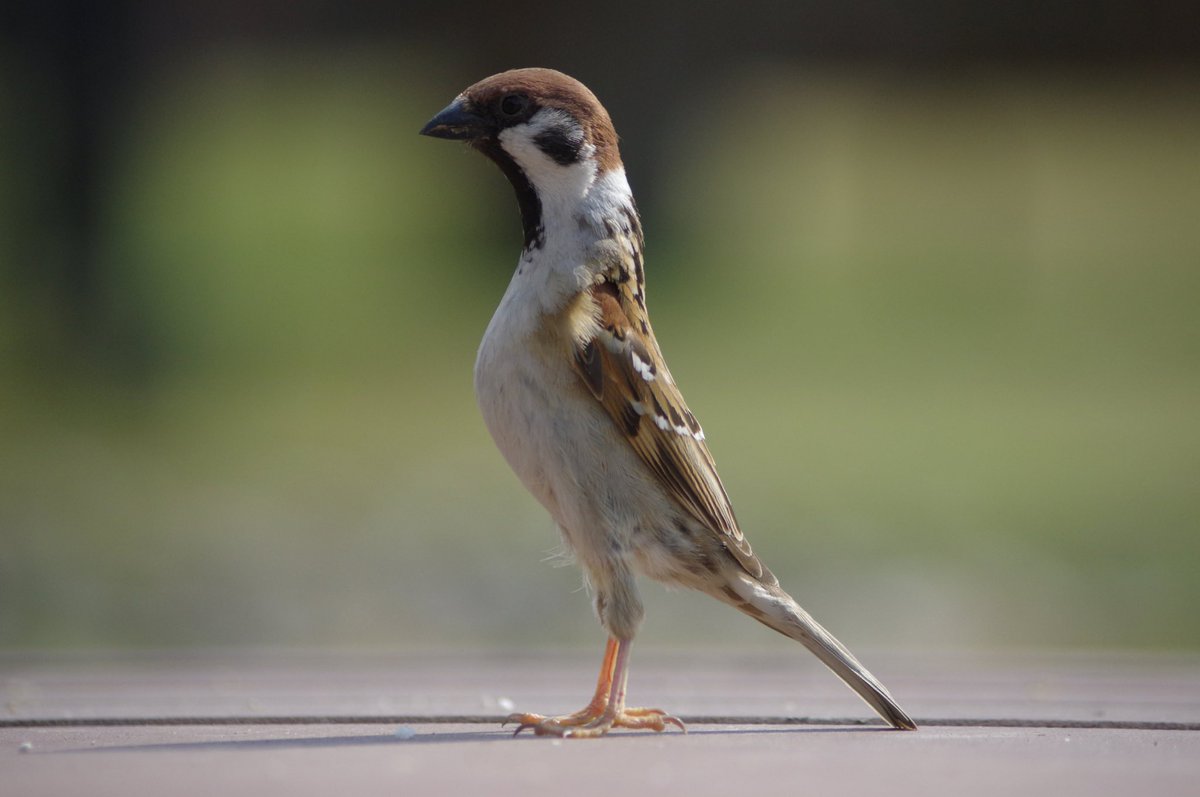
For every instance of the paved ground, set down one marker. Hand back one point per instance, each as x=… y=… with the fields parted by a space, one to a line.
x=386 y=724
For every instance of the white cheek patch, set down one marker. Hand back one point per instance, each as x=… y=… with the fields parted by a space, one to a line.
x=520 y=141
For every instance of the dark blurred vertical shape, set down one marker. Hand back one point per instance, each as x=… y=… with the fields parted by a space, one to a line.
x=74 y=57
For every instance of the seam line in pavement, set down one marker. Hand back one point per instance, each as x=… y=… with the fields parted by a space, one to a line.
x=488 y=719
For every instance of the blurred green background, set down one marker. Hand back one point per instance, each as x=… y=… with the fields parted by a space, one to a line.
x=934 y=299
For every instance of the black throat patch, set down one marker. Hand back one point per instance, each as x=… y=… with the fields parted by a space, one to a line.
x=527 y=197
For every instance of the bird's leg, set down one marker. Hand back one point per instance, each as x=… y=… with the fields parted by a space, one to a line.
x=607 y=707
x=589 y=712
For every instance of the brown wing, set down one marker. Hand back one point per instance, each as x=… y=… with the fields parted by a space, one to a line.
x=623 y=368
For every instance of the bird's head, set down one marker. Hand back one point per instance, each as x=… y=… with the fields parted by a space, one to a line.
x=545 y=130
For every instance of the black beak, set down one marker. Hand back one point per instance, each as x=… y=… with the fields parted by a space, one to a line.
x=456 y=121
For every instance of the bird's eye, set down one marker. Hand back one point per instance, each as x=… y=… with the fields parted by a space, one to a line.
x=514 y=105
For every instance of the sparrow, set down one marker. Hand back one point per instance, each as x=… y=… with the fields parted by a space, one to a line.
x=574 y=390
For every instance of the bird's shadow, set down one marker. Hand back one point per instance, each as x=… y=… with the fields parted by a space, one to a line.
x=382 y=739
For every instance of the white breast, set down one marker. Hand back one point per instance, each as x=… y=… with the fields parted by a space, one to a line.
x=557 y=438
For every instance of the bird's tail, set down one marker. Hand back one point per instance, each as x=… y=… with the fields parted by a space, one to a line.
x=774 y=608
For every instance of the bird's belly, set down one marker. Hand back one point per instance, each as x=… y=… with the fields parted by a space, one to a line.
x=567 y=452
x=520 y=412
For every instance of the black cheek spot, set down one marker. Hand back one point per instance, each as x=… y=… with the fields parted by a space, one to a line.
x=562 y=144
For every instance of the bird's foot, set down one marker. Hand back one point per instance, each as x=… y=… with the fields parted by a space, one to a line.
x=590 y=723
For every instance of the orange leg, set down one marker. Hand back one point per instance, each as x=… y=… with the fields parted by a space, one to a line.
x=607 y=707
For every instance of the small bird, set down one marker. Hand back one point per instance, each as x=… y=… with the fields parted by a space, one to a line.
x=574 y=390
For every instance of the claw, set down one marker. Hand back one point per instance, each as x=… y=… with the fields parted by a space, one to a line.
x=583 y=725
x=524 y=721
x=606 y=711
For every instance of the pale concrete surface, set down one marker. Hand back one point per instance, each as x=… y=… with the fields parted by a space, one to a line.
x=375 y=755
x=468 y=760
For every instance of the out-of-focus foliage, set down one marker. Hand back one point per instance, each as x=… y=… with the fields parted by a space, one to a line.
x=941 y=333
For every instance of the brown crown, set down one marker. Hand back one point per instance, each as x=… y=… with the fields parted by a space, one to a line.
x=551 y=89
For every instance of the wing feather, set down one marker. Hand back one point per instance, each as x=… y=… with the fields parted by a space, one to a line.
x=623 y=368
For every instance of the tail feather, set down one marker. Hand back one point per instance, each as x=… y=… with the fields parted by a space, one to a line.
x=774 y=608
